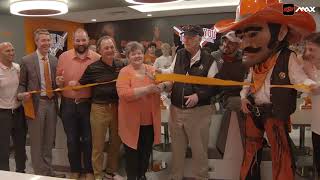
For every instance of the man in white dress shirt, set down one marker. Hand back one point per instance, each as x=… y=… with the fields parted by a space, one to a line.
x=190 y=110
x=265 y=33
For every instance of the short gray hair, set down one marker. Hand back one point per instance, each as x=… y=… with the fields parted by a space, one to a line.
x=103 y=38
x=40 y=31
x=166 y=46
x=133 y=46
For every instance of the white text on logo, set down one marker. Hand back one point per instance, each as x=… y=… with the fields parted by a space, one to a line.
x=306 y=9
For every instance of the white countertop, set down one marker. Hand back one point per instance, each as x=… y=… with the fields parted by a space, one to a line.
x=8 y=175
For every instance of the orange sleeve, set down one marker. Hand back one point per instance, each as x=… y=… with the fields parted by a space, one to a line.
x=59 y=71
x=124 y=88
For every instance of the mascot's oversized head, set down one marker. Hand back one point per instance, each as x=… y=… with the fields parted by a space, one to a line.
x=264 y=29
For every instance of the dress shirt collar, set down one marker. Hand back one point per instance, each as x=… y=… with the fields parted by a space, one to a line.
x=89 y=55
x=2 y=66
x=195 y=58
x=40 y=56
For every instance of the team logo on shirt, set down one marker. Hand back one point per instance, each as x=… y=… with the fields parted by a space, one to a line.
x=201 y=67
x=282 y=75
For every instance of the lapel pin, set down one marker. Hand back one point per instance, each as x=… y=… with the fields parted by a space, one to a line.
x=282 y=75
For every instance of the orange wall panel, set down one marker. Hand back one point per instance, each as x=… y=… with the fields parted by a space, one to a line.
x=31 y=24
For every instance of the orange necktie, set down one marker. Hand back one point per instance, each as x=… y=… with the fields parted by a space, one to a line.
x=47 y=77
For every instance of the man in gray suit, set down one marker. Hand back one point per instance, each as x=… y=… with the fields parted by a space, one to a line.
x=38 y=71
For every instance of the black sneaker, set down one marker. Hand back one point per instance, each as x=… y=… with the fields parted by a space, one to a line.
x=142 y=177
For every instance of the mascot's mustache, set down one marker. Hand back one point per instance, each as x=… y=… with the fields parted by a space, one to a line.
x=251 y=50
x=251 y=62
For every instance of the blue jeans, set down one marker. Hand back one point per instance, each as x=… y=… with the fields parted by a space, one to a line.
x=76 y=123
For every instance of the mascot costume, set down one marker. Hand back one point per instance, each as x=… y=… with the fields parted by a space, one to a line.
x=265 y=34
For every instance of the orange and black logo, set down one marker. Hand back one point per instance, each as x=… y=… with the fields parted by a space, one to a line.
x=288 y=9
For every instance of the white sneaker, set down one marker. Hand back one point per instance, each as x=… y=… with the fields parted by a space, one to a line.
x=114 y=176
x=118 y=177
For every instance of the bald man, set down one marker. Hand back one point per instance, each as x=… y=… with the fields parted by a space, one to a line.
x=11 y=112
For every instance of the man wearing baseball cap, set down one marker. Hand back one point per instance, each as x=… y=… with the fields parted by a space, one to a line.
x=265 y=34
x=231 y=134
x=191 y=111
x=229 y=49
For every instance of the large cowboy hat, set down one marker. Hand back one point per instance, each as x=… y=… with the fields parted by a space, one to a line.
x=250 y=11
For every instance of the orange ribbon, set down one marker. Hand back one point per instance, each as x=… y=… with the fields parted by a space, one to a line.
x=29 y=109
x=217 y=82
x=28 y=104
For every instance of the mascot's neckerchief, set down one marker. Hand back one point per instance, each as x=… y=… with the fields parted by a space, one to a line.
x=260 y=72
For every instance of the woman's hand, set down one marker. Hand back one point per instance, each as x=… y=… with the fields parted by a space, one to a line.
x=165 y=86
x=162 y=86
x=152 y=88
x=158 y=70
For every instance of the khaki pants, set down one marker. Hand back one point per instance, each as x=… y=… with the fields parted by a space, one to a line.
x=102 y=118
x=190 y=126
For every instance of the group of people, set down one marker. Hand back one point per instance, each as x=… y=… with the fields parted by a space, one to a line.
x=87 y=113
x=254 y=50
x=85 y=130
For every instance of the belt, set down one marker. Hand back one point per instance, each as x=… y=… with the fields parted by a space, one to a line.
x=94 y=101
x=46 y=98
x=258 y=110
x=106 y=104
x=77 y=100
x=12 y=110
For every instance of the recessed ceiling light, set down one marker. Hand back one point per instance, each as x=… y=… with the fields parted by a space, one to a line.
x=38 y=7
x=149 y=15
x=93 y=20
x=151 y=1
x=183 y=5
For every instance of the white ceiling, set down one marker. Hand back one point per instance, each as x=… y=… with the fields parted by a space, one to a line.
x=315 y=3
x=83 y=11
x=123 y=13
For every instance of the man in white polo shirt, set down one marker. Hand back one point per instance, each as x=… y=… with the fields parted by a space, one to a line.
x=11 y=112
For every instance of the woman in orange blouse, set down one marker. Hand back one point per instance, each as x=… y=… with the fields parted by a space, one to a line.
x=139 y=111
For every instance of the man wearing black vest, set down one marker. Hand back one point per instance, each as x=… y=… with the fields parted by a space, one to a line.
x=231 y=134
x=264 y=41
x=191 y=111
